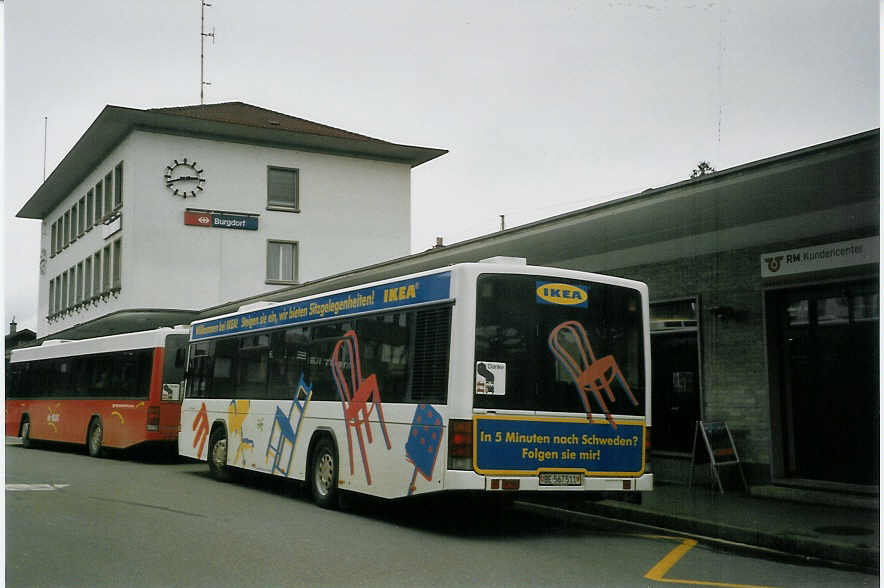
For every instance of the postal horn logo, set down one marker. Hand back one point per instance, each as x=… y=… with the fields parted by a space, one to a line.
x=565 y=294
x=773 y=263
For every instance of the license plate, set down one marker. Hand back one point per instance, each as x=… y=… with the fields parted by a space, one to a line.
x=561 y=479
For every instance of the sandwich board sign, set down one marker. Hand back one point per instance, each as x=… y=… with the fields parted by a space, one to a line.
x=720 y=451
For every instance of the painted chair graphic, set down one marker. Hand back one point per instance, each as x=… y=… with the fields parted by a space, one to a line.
x=237 y=411
x=358 y=396
x=588 y=373
x=288 y=433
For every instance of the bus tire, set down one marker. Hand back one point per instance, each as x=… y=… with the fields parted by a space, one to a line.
x=26 y=440
x=93 y=437
x=217 y=457
x=324 y=474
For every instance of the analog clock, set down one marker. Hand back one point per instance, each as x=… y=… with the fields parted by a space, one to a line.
x=184 y=178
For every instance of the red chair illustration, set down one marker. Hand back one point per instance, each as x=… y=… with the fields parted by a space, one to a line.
x=358 y=395
x=588 y=374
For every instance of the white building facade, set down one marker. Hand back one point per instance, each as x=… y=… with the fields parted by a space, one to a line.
x=155 y=214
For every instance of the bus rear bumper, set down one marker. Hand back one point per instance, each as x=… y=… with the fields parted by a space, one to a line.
x=466 y=480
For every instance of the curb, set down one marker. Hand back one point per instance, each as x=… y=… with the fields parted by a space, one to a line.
x=785 y=545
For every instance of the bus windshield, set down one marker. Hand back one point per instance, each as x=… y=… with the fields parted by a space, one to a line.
x=555 y=345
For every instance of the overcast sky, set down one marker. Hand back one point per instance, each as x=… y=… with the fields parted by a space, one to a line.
x=545 y=106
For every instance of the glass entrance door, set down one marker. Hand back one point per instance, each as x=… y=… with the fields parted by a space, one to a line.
x=828 y=358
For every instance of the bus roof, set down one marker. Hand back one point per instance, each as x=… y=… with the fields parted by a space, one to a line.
x=53 y=349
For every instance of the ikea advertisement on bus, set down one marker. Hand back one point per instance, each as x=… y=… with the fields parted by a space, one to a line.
x=420 y=290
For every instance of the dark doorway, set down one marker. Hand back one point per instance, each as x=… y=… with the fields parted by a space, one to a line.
x=826 y=348
x=676 y=390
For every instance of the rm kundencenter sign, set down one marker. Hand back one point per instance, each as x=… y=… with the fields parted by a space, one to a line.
x=820 y=257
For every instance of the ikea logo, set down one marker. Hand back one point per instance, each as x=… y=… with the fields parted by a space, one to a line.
x=563 y=294
x=399 y=294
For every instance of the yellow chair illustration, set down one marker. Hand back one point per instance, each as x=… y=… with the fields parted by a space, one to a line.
x=237 y=412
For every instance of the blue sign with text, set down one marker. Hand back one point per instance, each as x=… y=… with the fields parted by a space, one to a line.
x=403 y=293
x=524 y=446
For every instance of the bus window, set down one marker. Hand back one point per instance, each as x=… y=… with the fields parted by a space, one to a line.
x=513 y=329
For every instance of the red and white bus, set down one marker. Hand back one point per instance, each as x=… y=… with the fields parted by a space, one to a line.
x=485 y=377
x=117 y=391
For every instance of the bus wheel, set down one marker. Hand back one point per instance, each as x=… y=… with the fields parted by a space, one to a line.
x=218 y=455
x=324 y=474
x=26 y=441
x=93 y=437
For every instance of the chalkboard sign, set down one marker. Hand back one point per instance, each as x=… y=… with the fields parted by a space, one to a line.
x=719 y=450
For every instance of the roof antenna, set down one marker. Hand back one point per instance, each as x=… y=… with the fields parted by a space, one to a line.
x=45 y=125
x=203 y=35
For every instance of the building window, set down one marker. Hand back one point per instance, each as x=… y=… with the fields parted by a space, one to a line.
x=64 y=291
x=99 y=201
x=52 y=239
x=79 y=282
x=58 y=288
x=87 y=279
x=282 y=261
x=282 y=189
x=108 y=194
x=81 y=216
x=105 y=269
x=67 y=228
x=74 y=223
x=118 y=186
x=90 y=206
x=51 y=297
x=72 y=287
x=96 y=275
x=118 y=260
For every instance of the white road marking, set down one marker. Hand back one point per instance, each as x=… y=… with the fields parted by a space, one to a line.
x=34 y=487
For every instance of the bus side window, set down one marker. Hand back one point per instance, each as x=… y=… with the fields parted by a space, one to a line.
x=199 y=372
x=101 y=377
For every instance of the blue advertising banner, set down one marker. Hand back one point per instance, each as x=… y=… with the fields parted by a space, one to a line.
x=432 y=288
x=519 y=446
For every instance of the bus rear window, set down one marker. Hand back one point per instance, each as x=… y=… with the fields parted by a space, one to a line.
x=541 y=340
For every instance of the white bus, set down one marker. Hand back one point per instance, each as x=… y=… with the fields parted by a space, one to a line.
x=489 y=377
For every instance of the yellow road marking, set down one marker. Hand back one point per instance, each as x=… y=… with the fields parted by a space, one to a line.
x=660 y=570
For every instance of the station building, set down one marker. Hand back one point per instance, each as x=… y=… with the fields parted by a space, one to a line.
x=764 y=278
x=155 y=214
x=764 y=286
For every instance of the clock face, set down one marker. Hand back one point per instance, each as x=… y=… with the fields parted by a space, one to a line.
x=184 y=178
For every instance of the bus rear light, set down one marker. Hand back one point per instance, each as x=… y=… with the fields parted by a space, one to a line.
x=510 y=484
x=648 y=438
x=495 y=484
x=460 y=444
x=153 y=418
